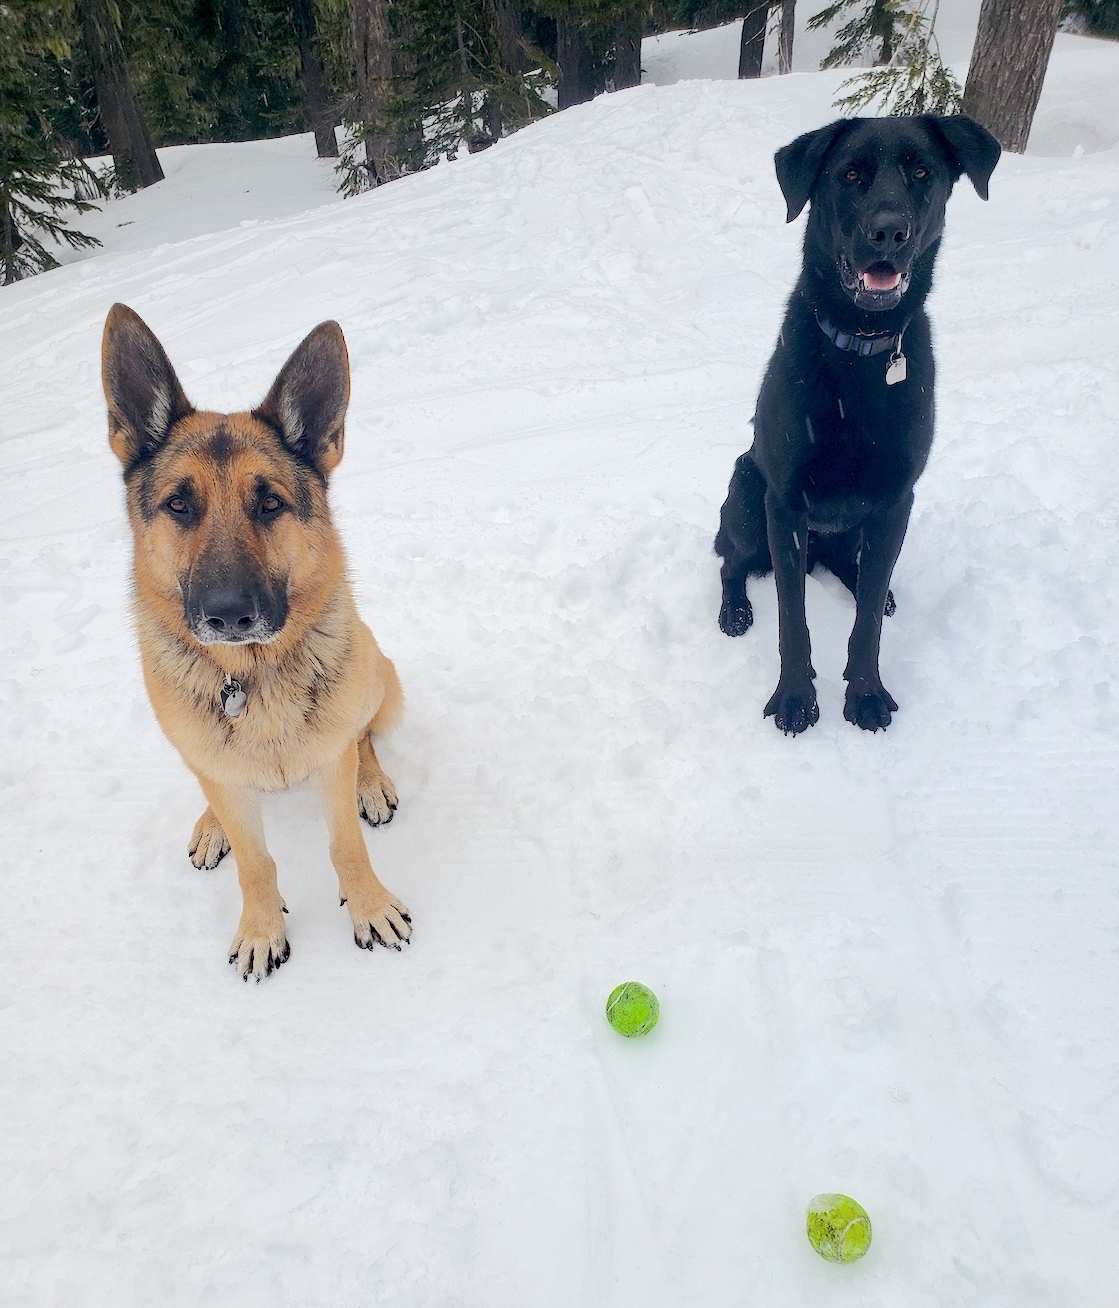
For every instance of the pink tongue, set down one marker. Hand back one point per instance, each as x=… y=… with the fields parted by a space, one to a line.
x=881 y=281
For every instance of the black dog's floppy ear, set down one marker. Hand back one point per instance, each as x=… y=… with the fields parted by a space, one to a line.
x=144 y=396
x=308 y=400
x=799 y=163
x=971 y=149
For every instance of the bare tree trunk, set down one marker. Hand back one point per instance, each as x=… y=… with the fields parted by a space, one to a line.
x=10 y=242
x=573 y=54
x=373 y=80
x=1008 y=63
x=134 y=156
x=316 y=98
x=753 y=41
x=510 y=35
x=785 y=36
x=628 y=31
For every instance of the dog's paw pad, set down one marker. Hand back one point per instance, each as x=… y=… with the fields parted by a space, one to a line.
x=891 y=605
x=208 y=845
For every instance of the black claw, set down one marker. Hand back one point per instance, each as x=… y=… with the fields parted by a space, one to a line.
x=341 y=902
x=406 y=918
x=283 y=908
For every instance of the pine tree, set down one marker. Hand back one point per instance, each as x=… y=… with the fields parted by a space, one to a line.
x=320 y=112
x=134 y=158
x=1008 y=63
x=875 y=29
x=915 y=81
x=36 y=163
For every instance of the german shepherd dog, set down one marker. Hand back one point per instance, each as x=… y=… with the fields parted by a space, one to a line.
x=844 y=421
x=257 y=665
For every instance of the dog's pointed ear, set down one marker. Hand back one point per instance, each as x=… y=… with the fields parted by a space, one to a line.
x=308 y=400
x=799 y=163
x=144 y=396
x=970 y=148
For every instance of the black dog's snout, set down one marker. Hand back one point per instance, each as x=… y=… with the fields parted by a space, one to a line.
x=888 y=231
x=230 y=612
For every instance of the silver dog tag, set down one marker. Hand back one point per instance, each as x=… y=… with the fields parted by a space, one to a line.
x=233 y=698
x=896 y=371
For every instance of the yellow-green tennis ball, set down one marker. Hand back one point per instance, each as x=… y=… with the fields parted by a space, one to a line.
x=838 y=1228
x=632 y=1009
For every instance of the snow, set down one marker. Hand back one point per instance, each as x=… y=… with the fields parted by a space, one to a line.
x=887 y=964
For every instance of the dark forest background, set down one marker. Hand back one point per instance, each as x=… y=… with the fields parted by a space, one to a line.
x=412 y=81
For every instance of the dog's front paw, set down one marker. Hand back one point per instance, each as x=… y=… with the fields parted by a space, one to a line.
x=208 y=845
x=736 y=616
x=793 y=707
x=891 y=606
x=869 y=705
x=379 y=919
x=260 y=945
x=376 y=798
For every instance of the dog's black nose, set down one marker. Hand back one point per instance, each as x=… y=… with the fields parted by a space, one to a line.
x=888 y=231
x=229 y=612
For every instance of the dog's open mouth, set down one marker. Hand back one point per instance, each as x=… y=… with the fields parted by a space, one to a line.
x=880 y=286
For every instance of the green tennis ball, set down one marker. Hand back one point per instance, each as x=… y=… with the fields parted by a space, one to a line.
x=632 y=1009
x=838 y=1228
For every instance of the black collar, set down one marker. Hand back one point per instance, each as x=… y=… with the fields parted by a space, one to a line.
x=863 y=345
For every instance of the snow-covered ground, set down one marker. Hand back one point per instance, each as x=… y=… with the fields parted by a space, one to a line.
x=888 y=965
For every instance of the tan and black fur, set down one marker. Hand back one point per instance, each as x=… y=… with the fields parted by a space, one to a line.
x=239 y=575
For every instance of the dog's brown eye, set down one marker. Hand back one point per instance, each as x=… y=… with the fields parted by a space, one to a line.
x=851 y=175
x=271 y=504
x=920 y=174
x=178 y=505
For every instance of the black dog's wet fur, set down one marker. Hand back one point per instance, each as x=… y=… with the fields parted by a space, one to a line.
x=836 y=453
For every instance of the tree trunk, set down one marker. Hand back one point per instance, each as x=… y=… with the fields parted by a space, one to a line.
x=510 y=36
x=575 y=59
x=373 y=81
x=134 y=156
x=316 y=98
x=10 y=241
x=753 y=41
x=628 y=31
x=785 y=36
x=1008 y=64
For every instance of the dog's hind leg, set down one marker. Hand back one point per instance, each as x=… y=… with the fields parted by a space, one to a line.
x=208 y=845
x=379 y=918
x=376 y=795
x=742 y=544
x=260 y=945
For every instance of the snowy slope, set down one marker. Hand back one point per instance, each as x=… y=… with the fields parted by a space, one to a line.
x=887 y=964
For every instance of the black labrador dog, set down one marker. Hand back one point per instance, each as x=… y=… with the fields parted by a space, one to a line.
x=844 y=420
